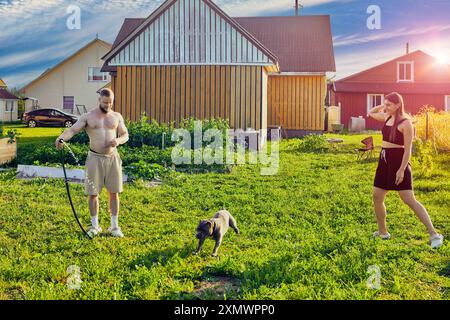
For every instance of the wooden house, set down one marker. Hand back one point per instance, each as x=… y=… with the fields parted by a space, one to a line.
x=190 y=59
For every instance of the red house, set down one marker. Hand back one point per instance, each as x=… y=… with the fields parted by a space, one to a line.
x=419 y=77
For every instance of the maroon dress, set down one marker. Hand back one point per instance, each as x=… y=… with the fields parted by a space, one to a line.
x=390 y=161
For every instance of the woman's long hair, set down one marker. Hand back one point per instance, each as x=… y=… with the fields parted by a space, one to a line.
x=400 y=114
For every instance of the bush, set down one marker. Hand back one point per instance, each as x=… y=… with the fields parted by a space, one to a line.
x=424 y=153
x=144 y=170
x=314 y=143
x=47 y=153
x=143 y=156
x=438 y=127
x=145 y=153
x=145 y=133
x=151 y=134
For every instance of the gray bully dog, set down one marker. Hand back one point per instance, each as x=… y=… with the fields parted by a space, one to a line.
x=215 y=228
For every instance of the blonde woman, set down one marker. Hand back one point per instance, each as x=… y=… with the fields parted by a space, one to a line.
x=394 y=168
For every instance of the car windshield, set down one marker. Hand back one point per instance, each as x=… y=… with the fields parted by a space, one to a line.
x=66 y=114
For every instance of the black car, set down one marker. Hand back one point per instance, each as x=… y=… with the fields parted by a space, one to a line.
x=49 y=117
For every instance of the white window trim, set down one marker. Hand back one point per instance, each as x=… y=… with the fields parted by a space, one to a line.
x=447 y=103
x=369 y=100
x=13 y=105
x=412 y=71
x=105 y=73
x=74 y=103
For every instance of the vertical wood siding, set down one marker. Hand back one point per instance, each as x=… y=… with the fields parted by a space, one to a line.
x=297 y=102
x=190 y=32
x=172 y=93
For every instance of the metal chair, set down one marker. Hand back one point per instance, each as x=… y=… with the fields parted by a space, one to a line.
x=367 y=151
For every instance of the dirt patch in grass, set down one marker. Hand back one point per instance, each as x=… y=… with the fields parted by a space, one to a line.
x=217 y=287
x=15 y=293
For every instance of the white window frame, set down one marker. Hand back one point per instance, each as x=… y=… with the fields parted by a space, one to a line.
x=447 y=103
x=411 y=63
x=105 y=75
x=369 y=100
x=6 y=106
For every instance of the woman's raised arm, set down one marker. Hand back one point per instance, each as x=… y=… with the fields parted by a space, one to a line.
x=378 y=113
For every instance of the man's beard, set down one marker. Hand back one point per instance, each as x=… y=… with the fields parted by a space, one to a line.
x=102 y=109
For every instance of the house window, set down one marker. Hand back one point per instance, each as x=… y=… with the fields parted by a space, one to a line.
x=374 y=100
x=94 y=74
x=68 y=102
x=9 y=106
x=447 y=103
x=405 y=71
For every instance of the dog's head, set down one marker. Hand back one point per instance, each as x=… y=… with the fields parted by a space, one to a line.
x=204 y=229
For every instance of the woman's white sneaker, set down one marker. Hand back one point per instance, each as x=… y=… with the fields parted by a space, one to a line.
x=93 y=232
x=386 y=236
x=115 y=232
x=436 y=241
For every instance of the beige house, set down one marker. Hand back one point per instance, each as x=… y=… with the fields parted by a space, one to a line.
x=73 y=83
x=8 y=104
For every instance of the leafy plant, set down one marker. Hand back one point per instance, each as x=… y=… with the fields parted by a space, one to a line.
x=12 y=134
x=144 y=170
x=314 y=143
x=151 y=133
x=424 y=153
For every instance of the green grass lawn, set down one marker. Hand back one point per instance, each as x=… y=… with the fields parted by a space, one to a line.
x=34 y=135
x=305 y=234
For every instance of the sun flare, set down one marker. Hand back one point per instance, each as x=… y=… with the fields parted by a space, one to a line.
x=443 y=58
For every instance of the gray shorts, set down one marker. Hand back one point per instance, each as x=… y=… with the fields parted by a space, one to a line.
x=103 y=170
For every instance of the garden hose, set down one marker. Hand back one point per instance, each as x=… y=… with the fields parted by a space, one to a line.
x=68 y=191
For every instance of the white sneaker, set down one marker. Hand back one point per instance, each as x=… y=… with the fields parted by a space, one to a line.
x=382 y=236
x=115 y=232
x=93 y=232
x=436 y=241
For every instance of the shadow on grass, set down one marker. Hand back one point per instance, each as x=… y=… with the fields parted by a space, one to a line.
x=162 y=257
x=445 y=272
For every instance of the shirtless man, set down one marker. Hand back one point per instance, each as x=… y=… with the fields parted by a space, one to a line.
x=103 y=163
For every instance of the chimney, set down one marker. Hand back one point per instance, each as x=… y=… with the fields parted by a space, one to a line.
x=407 y=48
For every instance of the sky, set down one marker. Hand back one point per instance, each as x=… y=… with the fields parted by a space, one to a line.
x=34 y=35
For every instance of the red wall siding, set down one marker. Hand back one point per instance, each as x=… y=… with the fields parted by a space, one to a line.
x=355 y=104
x=413 y=102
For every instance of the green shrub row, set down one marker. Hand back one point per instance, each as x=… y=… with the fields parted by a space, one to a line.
x=159 y=135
